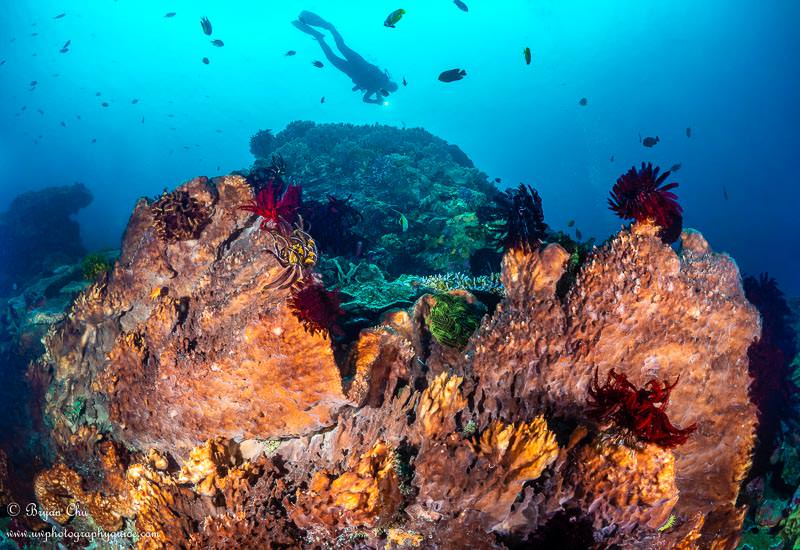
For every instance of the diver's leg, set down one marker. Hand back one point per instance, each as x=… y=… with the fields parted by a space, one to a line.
x=349 y=54
x=308 y=30
x=334 y=59
x=311 y=18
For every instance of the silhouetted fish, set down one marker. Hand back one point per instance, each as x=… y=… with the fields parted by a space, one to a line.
x=94 y=140
x=393 y=18
x=452 y=75
x=59 y=16
x=34 y=34
x=675 y=167
x=497 y=180
x=290 y=53
x=97 y=94
x=461 y=5
x=206 y=61
x=404 y=82
x=322 y=99
x=34 y=82
x=134 y=101
x=688 y=132
x=170 y=14
x=578 y=234
x=611 y=159
x=63 y=124
x=66 y=44
x=64 y=50
x=3 y=62
x=40 y=111
x=317 y=64
x=583 y=102
x=105 y=104
x=23 y=107
x=724 y=192
x=142 y=120
x=650 y=141
x=571 y=223
x=206 y=24
x=218 y=43
x=526 y=53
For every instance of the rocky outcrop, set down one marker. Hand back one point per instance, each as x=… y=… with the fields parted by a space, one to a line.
x=38 y=234
x=241 y=429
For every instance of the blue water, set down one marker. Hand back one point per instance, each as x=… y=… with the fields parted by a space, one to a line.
x=727 y=69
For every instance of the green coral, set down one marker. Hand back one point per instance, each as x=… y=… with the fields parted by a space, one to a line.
x=452 y=320
x=94 y=265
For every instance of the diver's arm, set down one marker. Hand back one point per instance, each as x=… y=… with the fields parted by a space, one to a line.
x=377 y=100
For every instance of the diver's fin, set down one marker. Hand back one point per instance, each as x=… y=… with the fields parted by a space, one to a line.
x=308 y=30
x=314 y=20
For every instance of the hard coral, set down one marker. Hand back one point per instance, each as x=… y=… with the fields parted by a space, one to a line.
x=275 y=206
x=178 y=216
x=521 y=222
x=643 y=196
x=316 y=307
x=638 y=411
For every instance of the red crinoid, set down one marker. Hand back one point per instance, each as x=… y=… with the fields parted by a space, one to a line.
x=642 y=195
x=641 y=411
x=274 y=210
x=316 y=307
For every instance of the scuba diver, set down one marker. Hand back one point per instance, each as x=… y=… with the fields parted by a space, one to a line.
x=374 y=82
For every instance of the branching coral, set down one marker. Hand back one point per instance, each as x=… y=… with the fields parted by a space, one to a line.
x=317 y=308
x=638 y=411
x=452 y=320
x=177 y=216
x=643 y=196
x=521 y=219
x=446 y=282
x=276 y=207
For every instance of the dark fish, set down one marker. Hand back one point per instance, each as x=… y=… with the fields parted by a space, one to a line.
x=94 y=140
x=583 y=102
x=105 y=104
x=170 y=115
x=97 y=94
x=688 y=132
x=206 y=24
x=64 y=50
x=650 y=141
x=64 y=124
x=217 y=168
x=498 y=180
x=206 y=61
x=527 y=54
x=34 y=82
x=290 y=53
x=23 y=107
x=461 y=5
x=170 y=14
x=34 y=34
x=675 y=167
x=452 y=75
x=40 y=111
x=218 y=131
x=578 y=234
x=3 y=62
x=66 y=44
x=724 y=191
x=611 y=159
x=322 y=99
x=59 y=16
x=142 y=120
x=218 y=43
x=134 y=101
x=571 y=223
x=318 y=64
x=78 y=117
x=404 y=81
x=393 y=18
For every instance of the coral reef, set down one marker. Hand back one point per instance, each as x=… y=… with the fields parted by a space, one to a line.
x=38 y=234
x=177 y=216
x=95 y=265
x=262 y=143
x=642 y=195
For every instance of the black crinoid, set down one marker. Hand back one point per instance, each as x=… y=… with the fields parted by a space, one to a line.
x=517 y=219
x=265 y=172
x=643 y=196
x=262 y=143
x=177 y=216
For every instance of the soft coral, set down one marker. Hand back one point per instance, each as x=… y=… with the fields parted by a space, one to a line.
x=316 y=307
x=641 y=411
x=274 y=208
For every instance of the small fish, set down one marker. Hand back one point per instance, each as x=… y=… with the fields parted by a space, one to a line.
x=724 y=191
x=3 y=62
x=578 y=234
x=40 y=111
x=460 y=5
x=105 y=104
x=403 y=221
x=63 y=124
x=206 y=24
x=650 y=141
x=34 y=83
x=393 y=18
x=675 y=167
x=134 y=101
x=527 y=54
x=218 y=43
x=78 y=117
x=322 y=99
x=206 y=61
x=498 y=180
x=583 y=102
x=611 y=159
x=290 y=53
x=571 y=223
x=34 y=34
x=688 y=132
x=94 y=140
x=64 y=50
x=217 y=168
x=404 y=80
x=170 y=115
x=23 y=107
x=97 y=94
x=317 y=64
x=59 y=16
x=452 y=75
x=142 y=120
x=170 y=14
x=66 y=44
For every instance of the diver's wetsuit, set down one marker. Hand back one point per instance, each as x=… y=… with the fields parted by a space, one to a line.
x=367 y=77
